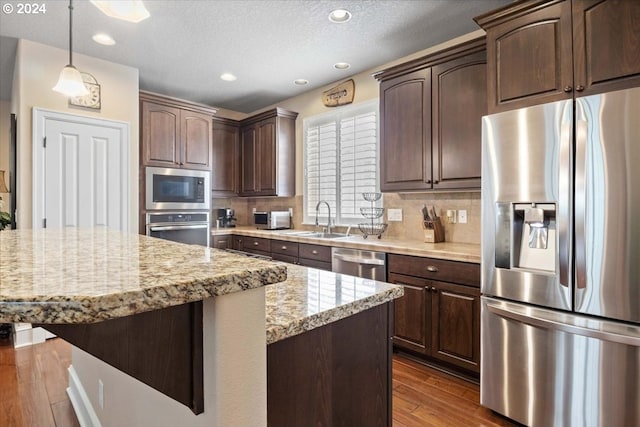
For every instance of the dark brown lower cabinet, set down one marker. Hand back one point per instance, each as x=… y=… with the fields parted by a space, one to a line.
x=222 y=242
x=335 y=375
x=437 y=319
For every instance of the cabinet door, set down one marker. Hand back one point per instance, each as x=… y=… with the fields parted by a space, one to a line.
x=405 y=123
x=455 y=324
x=222 y=242
x=225 y=159
x=248 y=158
x=606 y=45
x=160 y=135
x=459 y=91
x=529 y=59
x=266 y=158
x=238 y=243
x=196 y=140
x=410 y=314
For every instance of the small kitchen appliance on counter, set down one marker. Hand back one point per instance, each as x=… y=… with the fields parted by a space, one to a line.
x=272 y=220
x=226 y=217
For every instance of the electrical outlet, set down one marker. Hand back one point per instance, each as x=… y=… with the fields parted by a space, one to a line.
x=101 y=394
x=462 y=216
x=394 y=214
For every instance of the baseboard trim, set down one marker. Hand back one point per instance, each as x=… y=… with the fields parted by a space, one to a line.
x=24 y=335
x=87 y=416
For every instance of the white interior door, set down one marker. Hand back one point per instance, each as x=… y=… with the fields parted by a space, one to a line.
x=81 y=171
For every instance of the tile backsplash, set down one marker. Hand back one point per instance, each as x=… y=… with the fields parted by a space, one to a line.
x=410 y=228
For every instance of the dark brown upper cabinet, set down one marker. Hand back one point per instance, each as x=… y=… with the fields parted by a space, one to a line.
x=225 y=159
x=267 y=154
x=545 y=51
x=405 y=125
x=459 y=95
x=174 y=133
x=430 y=115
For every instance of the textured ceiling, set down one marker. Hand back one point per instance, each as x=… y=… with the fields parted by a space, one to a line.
x=184 y=46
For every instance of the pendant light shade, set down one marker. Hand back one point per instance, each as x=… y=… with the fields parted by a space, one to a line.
x=127 y=10
x=70 y=81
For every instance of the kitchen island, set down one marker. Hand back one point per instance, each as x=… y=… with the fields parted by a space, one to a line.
x=138 y=329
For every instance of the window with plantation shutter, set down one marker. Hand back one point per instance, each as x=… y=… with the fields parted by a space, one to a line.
x=340 y=162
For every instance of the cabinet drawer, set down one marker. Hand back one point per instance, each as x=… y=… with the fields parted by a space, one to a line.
x=286 y=258
x=321 y=265
x=435 y=269
x=285 y=248
x=256 y=244
x=315 y=252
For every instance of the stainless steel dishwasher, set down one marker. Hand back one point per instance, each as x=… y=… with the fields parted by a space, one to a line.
x=366 y=264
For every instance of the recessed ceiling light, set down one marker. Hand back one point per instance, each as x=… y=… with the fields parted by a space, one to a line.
x=301 y=82
x=341 y=65
x=228 y=77
x=340 y=16
x=104 y=39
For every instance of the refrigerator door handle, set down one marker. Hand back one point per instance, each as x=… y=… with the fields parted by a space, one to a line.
x=553 y=324
x=564 y=201
x=581 y=196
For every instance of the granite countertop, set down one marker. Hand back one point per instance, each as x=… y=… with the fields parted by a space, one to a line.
x=73 y=275
x=312 y=298
x=446 y=250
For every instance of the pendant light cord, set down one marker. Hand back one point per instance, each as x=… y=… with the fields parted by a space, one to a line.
x=70 y=33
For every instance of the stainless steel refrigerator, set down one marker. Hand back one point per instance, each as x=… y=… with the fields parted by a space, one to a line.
x=561 y=262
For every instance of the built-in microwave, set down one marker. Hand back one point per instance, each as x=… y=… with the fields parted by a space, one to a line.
x=168 y=188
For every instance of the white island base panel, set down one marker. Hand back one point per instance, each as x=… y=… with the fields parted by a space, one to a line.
x=235 y=375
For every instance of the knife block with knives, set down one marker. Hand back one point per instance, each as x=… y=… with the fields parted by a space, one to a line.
x=433 y=229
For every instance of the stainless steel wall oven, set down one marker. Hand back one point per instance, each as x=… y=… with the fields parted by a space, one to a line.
x=184 y=227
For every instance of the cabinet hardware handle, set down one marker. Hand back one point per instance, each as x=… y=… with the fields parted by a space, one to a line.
x=432 y=268
x=284 y=248
x=314 y=252
x=428 y=181
x=434 y=289
x=568 y=89
x=579 y=88
x=255 y=243
x=436 y=181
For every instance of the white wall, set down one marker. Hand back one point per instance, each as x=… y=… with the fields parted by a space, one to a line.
x=37 y=69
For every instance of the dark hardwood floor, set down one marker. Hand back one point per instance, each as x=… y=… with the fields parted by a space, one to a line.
x=33 y=382
x=426 y=397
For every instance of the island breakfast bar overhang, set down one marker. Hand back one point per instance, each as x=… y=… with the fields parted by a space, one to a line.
x=170 y=347
x=137 y=304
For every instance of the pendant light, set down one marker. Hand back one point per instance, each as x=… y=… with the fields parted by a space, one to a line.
x=70 y=82
x=127 y=10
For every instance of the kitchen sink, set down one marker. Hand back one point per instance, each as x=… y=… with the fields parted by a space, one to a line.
x=316 y=234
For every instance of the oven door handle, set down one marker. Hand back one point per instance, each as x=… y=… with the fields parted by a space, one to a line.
x=177 y=227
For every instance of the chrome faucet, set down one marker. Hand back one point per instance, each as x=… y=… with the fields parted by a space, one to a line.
x=328 y=220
